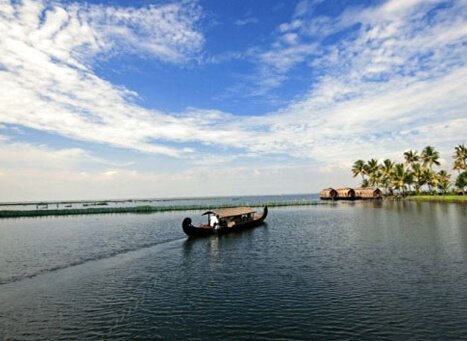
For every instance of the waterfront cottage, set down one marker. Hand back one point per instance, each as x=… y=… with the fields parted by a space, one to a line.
x=328 y=194
x=368 y=193
x=345 y=193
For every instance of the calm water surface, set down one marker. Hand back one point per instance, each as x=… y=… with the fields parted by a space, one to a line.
x=347 y=271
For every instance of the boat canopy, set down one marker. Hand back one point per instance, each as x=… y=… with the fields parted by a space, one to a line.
x=230 y=212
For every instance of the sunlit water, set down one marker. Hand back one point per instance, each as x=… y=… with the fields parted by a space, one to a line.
x=345 y=271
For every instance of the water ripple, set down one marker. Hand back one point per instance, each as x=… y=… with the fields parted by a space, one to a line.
x=82 y=261
x=318 y=273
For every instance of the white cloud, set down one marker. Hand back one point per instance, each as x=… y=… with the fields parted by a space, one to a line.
x=246 y=21
x=398 y=80
x=166 y=31
x=380 y=88
x=56 y=184
x=373 y=123
x=399 y=7
x=20 y=156
x=46 y=83
x=391 y=38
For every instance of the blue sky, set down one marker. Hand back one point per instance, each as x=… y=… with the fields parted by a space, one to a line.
x=117 y=99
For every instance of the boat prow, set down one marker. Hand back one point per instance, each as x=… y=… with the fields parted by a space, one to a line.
x=230 y=220
x=192 y=231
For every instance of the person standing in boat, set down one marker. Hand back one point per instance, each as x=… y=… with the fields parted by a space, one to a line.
x=214 y=221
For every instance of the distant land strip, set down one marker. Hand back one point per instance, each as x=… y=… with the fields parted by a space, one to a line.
x=439 y=198
x=140 y=209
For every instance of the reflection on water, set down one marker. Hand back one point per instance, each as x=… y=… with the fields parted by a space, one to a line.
x=362 y=270
x=214 y=245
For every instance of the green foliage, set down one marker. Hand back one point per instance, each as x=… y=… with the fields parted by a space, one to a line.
x=386 y=169
x=358 y=168
x=461 y=181
x=415 y=173
x=460 y=158
x=398 y=178
x=411 y=157
x=372 y=170
x=430 y=157
x=439 y=198
x=443 y=182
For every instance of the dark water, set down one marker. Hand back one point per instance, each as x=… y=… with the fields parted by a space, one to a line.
x=347 y=271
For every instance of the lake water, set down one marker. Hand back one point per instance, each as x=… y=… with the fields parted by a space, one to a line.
x=390 y=271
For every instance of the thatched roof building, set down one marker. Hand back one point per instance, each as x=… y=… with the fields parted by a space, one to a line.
x=345 y=193
x=368 y=193
x=328 y=194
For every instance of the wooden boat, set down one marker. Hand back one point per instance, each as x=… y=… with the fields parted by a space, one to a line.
x=230 y=220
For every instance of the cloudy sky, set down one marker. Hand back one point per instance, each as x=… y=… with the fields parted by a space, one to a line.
x=144 y=99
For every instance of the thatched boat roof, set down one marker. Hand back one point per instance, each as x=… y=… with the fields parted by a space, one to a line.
x=328 y=193
x=368 y=192
x=345 y=193
x=344 y=189
x=231 y=212
x=367 y=189
x=328 y=189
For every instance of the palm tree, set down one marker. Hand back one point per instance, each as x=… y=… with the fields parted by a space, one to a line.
x=430 y=178
x=372 y=166
x=458 y=165
x=443 y=181
x=430 y=157
x=365 y=183
x=398 y=178
x=372 y=170
x=358 y=168
x=418 y=177
x=461 y=181
x=419 y=171
x=409 y=178
x=433 y=181
x=460 y=157
x=411 y=157
x=375 y=178
x=386 y=169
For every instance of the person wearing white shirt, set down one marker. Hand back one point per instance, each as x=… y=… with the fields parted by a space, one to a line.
x=214 y=221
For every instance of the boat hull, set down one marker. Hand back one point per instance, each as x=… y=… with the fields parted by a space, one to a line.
x=203 y=231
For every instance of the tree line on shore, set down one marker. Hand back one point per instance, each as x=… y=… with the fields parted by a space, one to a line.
x=415 y=174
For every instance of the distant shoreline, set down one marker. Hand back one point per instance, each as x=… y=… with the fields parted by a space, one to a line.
x=438 y=198
x=139 y=209
x=146 y=209
x=162 y=199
